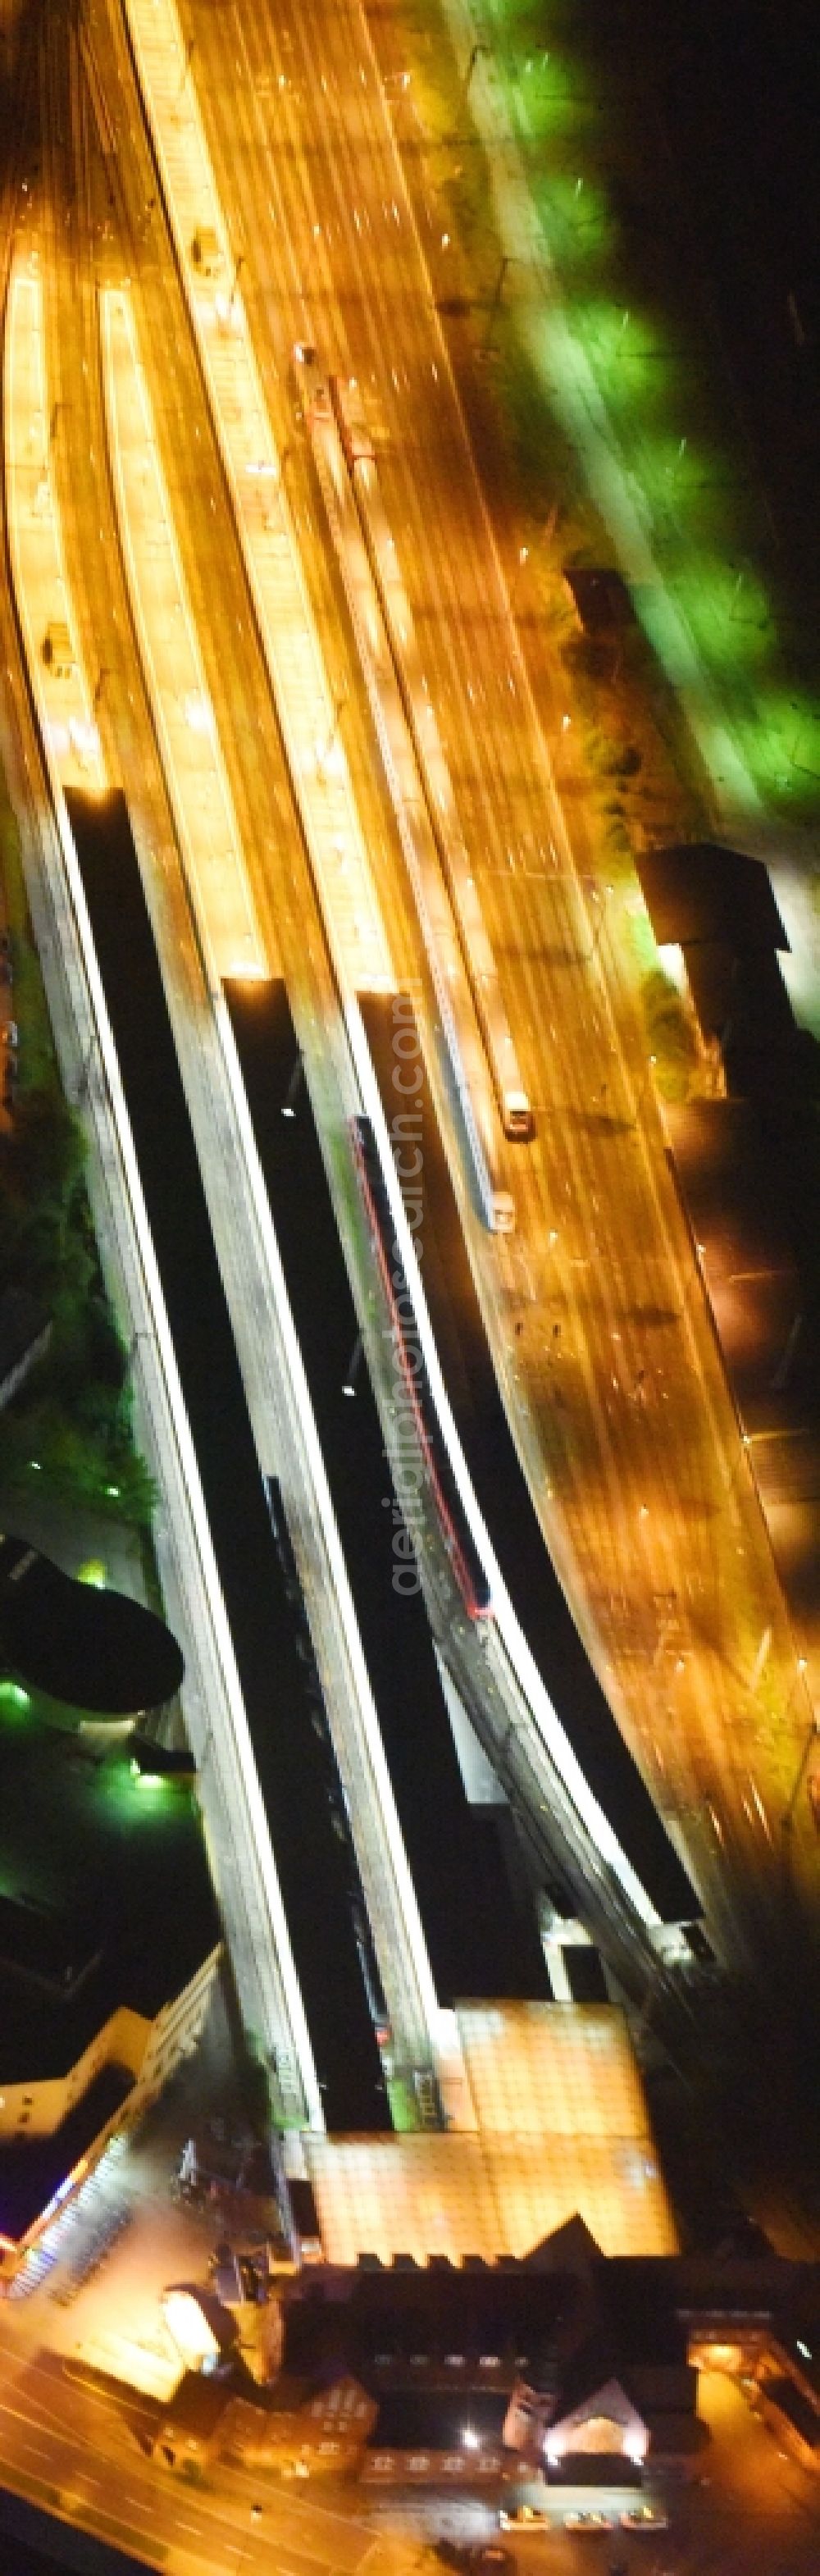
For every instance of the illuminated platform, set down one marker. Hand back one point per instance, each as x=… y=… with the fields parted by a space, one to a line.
x=63 y=698
x=172 y=664
x=209 y=271
x=562 y=2128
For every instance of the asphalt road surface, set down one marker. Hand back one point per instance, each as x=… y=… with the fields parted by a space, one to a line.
x=654 y=1521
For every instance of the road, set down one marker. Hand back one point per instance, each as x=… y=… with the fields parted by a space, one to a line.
x=747 y=2508
x=630 y=1440
x=77 y=2450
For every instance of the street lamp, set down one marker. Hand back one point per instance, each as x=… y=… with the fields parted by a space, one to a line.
x=349 y=1382
x=238 y=265
x=325 y=750
x=256 y=2517
x=296 y=1079
x=190 y=51
x=787 y=1818
x=475 y=57
x=509 y=259
x=600 y=897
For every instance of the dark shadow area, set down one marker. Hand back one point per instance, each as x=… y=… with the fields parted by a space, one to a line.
x=92 y=1648
x=477 y=1945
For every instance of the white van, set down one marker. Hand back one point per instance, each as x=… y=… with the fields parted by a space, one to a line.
x=502 y=1216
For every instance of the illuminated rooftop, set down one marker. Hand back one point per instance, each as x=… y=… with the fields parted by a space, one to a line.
x=563 y=2128
x=552 y=2070
x=424 y=2195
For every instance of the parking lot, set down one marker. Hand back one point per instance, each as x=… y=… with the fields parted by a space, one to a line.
x=748 y=2510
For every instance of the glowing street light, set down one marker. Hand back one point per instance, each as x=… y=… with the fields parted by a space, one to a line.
x=256 y=2517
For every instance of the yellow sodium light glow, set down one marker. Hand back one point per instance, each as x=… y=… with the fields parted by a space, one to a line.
x=556 y=2069
x=64 y=706
x=307 y=715
x=189 y=2327
x=424 y=2194
x=145 y=2365
x=183 y=716
x=301 y=2071
x=204 y=817
x=452 y=990
x=435 y=774
x=506 y=1642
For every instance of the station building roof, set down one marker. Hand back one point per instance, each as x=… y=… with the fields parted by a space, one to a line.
x=556 y=2124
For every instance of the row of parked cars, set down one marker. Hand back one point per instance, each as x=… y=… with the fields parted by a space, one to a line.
x=638 y=2517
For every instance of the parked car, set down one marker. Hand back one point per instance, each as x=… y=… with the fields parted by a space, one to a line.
x=525 y=2517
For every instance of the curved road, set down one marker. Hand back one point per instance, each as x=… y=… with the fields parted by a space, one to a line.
x=638 y=1470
